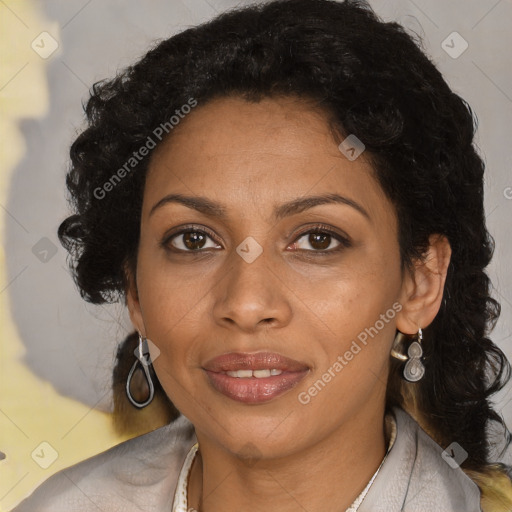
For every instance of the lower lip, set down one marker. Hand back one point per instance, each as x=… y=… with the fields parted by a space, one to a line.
x=253 y=390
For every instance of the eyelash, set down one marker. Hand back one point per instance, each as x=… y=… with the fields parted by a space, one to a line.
x=320 y=229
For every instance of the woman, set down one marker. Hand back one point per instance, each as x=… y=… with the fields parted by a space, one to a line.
x=289 y=201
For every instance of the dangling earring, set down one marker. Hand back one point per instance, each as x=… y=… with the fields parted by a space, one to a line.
x=413 y=369
x=144 y=359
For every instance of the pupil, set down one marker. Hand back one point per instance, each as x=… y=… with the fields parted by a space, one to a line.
x=192 y=238
x=319 y=240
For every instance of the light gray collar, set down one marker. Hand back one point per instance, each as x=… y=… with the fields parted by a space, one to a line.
x=416 y=478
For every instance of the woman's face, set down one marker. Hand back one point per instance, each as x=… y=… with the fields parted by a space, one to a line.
x=240 y=272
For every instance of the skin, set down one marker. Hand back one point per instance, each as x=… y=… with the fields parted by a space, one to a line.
x=252 y=157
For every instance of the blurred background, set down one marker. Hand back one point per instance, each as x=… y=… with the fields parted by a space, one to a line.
x=56 y=351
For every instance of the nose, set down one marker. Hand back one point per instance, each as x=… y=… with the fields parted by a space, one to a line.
x=251 y=296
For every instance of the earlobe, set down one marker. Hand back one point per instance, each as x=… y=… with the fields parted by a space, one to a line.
x=423 y=287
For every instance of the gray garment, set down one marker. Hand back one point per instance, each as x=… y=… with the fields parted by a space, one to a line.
x=140 y=475
x=416 y=478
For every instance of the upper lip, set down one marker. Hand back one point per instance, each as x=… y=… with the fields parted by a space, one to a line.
x=256 y=361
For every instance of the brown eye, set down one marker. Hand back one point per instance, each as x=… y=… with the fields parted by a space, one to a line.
x=317 y=241
x=193 y=240
x=320 y=241
x=190 y=241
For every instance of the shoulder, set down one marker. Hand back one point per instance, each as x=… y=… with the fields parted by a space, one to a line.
x=436 y=472
x=419 y=476
x=139 y=474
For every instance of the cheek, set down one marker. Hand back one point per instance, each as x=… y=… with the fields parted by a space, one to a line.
x=170 y=295
x=354 y=312
x=352 y=353
x=174 y=316
x=348 y=296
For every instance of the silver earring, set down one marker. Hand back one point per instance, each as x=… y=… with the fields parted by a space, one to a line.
x=413 y=370
x=144 y=359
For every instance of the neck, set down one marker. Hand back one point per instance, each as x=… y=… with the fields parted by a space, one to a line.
x=326 y=477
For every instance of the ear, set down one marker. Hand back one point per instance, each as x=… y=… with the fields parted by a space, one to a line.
x=132 y=301
x=423 y=285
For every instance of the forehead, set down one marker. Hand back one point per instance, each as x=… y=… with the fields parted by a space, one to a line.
x=240 y=152
x=232 y=125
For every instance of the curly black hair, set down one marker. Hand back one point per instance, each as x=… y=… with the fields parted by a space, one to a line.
x=375 y=81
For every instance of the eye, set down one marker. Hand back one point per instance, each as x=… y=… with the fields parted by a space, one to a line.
x=189 y=239
x=321 y=240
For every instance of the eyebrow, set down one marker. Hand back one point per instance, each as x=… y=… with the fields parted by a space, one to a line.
x=213 y=209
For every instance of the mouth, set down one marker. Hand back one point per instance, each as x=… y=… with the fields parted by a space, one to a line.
x=254 y=378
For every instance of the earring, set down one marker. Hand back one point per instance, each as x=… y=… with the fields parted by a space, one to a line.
x=413 y=370
x=144 y=359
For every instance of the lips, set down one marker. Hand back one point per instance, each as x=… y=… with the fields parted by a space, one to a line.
x=260 y=361
x=243 y=385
